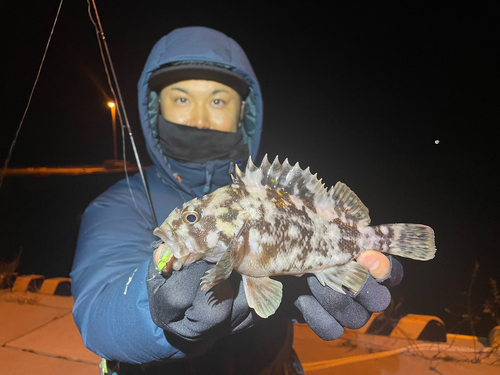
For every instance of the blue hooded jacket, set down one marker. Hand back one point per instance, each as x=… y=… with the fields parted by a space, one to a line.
x=111 y=306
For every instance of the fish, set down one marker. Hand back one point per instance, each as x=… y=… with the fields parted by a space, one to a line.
x=278 y=219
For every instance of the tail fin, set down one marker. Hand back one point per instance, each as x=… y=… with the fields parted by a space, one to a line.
x=414 y=241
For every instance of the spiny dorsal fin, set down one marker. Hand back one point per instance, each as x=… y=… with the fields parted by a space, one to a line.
x=305 y=186
x=282 y=177
x=238 y=175
x=285 y=178
x=252 y=175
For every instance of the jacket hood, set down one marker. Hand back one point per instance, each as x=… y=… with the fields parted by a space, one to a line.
x=197 y=44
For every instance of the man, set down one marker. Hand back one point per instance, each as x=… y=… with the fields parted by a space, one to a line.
x=201 y=113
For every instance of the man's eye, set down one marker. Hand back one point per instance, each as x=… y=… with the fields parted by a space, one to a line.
x=181 y=100
x=218 y=102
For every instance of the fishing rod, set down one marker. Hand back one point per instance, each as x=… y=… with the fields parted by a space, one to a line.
x=3 y=172
x=122 y=114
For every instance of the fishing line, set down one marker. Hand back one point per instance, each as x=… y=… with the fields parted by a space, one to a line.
x=122 y=114
x=128 y=182
x=11 y=150
x=122 y=127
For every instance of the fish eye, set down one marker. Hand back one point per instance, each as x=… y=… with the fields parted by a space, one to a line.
x=190 y=217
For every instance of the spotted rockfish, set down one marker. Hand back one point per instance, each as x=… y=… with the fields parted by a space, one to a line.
x=280 y=220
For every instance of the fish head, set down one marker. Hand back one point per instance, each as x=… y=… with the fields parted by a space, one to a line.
x=202 y=228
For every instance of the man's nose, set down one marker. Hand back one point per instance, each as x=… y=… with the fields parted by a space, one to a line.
x=200 y=117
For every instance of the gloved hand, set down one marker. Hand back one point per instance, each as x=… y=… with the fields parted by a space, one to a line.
x=178 y=305
x=187 y=312
x=327 y=312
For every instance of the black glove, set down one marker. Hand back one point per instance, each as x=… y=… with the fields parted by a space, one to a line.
x=327 y=312
x=189 y=313
x=178 y=305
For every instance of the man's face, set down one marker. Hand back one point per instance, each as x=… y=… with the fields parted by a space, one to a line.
x=203 y=104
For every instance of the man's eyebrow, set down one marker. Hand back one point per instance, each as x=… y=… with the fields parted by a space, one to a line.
x=180 y=89
x=218 y=90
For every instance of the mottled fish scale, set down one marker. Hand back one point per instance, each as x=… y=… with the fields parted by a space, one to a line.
x=278 y=219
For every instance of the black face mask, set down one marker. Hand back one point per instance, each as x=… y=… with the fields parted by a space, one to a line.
x=188 y=143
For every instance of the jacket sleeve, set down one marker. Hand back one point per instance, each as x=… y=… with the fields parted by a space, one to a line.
x=111 y=307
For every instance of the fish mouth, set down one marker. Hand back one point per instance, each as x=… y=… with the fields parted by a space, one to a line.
x=175 y=246
x=168 y=236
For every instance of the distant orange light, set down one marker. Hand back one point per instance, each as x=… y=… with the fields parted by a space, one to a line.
x=111 y=104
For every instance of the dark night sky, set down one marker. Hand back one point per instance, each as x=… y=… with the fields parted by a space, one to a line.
x=357 y=91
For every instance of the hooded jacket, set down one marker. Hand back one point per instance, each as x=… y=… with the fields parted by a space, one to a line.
x=111 y=307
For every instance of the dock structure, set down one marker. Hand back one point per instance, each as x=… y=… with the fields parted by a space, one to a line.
x=38 y=336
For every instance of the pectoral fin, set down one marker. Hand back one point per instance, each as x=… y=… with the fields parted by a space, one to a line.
x=351 y=275
x=220 y=272
x=263 y=294
x=225 y=265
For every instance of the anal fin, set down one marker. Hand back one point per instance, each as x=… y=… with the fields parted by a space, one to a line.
x=352 y=275
x=263 y=294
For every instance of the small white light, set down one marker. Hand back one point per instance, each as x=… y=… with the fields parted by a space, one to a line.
x=436 y=141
